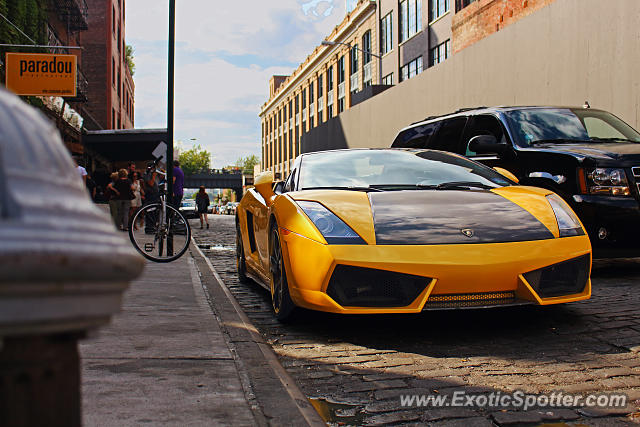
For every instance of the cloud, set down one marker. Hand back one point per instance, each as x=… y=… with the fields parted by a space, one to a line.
x=225 y=55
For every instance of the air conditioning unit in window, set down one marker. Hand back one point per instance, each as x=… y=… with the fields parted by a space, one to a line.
x=354 y=82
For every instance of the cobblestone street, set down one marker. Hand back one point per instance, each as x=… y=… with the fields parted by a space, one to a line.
x=355 y=368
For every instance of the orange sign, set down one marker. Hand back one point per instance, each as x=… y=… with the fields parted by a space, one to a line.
x=41 y=74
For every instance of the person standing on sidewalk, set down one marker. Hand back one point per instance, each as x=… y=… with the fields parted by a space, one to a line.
x=151 y=194
x=202 y=203
x=178 y=184
x=123 y=200
x=131 y=168
x=81 y=171
x=138 y=192
x=111 y=194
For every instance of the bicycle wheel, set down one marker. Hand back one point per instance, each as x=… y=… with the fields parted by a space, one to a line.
x=158 y=237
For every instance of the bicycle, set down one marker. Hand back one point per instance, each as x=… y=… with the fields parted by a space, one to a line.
x=166 y=233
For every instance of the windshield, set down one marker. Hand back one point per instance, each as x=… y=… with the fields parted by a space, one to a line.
x=393 y=169
x=563 y=125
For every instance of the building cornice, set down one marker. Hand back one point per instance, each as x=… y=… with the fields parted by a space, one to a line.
x=353 y=19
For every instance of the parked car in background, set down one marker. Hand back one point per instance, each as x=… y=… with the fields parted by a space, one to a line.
x=230 y=208
x=188 y=208
x=589 y=157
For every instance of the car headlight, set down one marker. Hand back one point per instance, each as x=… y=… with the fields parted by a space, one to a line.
x=333 y=229
x=568 y=222
x=607 y=181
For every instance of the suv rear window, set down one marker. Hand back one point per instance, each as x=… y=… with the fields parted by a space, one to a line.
x=416 y=137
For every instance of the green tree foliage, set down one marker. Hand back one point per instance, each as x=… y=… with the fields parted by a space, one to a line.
x=247 y=163
x=30 y=16
x=195 y=160
x=128 y=54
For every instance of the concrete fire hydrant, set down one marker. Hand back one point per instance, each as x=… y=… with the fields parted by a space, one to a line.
x=63 y=270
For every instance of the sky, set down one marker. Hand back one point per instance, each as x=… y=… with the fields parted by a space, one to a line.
x=226 y=52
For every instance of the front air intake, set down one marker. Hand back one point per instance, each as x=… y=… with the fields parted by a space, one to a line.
x=367 y=287
x=482 y=299
x=565 y=278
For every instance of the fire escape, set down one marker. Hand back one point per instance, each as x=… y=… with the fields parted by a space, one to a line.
x=74 y=13
x=82 y=85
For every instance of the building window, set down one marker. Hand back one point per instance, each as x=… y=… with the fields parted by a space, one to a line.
x=411 y=69
x=320 y=98
x=439 y=8
x=386 y=34
x=354 y=59
x=366 y=47
x=290 y=143
x=113 y=22
x=388 y=79
x=113 y=72
x=353 y=84
x=330 y=92
x=341 y=84
x=461 y=4
x=304 y=110
x=440 y=53
x=410 y=18
x=330 y=79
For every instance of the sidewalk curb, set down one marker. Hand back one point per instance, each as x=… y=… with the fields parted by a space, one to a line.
x=267 y=384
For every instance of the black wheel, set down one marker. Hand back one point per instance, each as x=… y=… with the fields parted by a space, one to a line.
x=283 y=307
x=157 y=236
x=241 y=264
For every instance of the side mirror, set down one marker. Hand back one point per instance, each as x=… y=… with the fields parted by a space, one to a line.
x=506 y=174
x=264 y=185
x=487 y=144
x=279 y=187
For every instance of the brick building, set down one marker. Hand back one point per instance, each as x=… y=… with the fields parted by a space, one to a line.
x=403 y=38
x=484 y=17
x=111 y=89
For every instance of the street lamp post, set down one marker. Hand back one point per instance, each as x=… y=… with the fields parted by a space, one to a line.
x=172 y=34
x=330 y=43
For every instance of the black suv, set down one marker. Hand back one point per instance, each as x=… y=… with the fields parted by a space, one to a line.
x=589 y=157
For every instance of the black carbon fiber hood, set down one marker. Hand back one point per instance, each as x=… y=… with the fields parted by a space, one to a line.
x=438 y=217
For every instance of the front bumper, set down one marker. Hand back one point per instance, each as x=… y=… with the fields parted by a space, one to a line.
x=488 y=274
x=619 y=216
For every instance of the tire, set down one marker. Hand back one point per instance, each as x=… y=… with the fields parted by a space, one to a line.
x=241 y=264
x=160 y=244
x=283 y=306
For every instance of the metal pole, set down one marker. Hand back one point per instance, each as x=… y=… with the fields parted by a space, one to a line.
x=172 y=34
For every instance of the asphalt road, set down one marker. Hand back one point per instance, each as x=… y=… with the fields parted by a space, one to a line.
x=355 y=368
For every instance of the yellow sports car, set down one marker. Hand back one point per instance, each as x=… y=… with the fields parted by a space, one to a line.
x=402 y=231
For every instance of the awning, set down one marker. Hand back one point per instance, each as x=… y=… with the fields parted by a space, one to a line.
x=123 y=144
